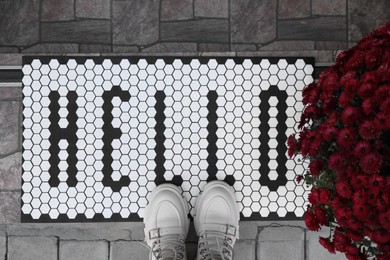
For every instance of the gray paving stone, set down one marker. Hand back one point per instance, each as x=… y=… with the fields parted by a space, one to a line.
x=293 y=9
x=10 y=93
x=9 y=50
x=248 y=230
x=9 y=207
x=81 y=250
x=172 y=10
x=9 y=115
x=135 y=22
x=81 y=31
x=11 y=172
x=289 y=45
x=20 y=20
x=94 y=48
x=172 y=47
x=331 y=45
x=365 y=16
x=244 y=47
x=3 y=247
x=204 y=47
x=125 y=49
x=93 y=9
x=128 y=250
x=245 y=249
x=253 y=21
x=32 y=248
x=212 y=8
x=60 y=10
x=82 y=231
x=201 y=30
x=329 y=7
x=281 y=243
x=316 y=28
x=10 y=59
x=314 y=250
x=57 y=48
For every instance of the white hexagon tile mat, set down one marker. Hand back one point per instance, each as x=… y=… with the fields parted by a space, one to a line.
x=99 y=133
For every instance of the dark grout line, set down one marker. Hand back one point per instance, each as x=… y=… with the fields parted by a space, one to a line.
x=112 y=25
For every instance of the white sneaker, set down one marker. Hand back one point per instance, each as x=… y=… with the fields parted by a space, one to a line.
x=216 y=221
x=166 y=223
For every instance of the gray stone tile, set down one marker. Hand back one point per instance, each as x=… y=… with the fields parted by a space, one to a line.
x=212 y=8
x=9 y=131
x=3 y=247
x=245 y=249
x=9 y=50
x=173 y=10
x=81 y=31
x=10 y=93
x=331 y=45
x=9 y=207
x=57 y=48
x=244 y=47
x=248 y=229
x=10 y=59
x=128 y=250
x=125 y=49
x=94 y=48
x=214 y=47
x=289 y=45
x=281 y=233
x=60 y=10
x=201 y=30
x=11 y=172
x=293 y=9
x=365 y=16
x=135 y=22
x=93 y=9
x=314 y=250
x=32 y=248
x=172 y=47
x=253 y=21
x=317 y=28
x=81 y=250
x=20 y=20
x=280 y=250
x=110 y=231
x=329 y=7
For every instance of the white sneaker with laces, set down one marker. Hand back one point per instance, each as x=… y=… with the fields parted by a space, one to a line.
x=216 y=221
x=166 y=223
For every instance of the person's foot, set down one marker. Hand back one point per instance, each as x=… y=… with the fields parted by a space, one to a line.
x=216 y=221
x=166 y=223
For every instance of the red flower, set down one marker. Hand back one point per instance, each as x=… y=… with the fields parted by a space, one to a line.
x=371 y=163
x=369 y=129
x=345 y=99
x=372 y=57
x=292 y=143
x=384 y=219
x=366 y=89
x=325 y=196
x=361 y=149
x=360 y=210
x=385 y=107
x=299 y=178
x=354 y=235
x=327 y=244
x=381 y=236
x=368 y=105
x=320 y=215
x=343 y=190
x=350 y=115
x=341 y=242
x=382 y=93
x=329 y=133
x=314 y=196
x=316 y=167
x=346 y=137
x=311 y=221
x=354 y=224
x=336 y=161
x=359 y=181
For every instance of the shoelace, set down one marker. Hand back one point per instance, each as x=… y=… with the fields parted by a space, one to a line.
x=168 y=247
x=215 y=245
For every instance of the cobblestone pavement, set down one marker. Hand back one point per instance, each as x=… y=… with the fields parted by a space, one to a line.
x=117 y=241
x=306 y=27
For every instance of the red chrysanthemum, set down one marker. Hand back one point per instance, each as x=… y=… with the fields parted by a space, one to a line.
x=369 y=105
x=311 y=221
x=327 y=244
x=346 y=137
x=369 y=129
x=371 y=163
x=361 y=149
x=343 y=190
x=320 y=215
x=315 y=167
x=336 y=161
x=325 y=196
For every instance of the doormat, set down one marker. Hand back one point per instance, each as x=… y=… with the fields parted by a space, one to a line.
x=100 y=133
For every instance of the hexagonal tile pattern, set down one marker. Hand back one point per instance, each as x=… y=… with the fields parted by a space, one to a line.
x=99 y=134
